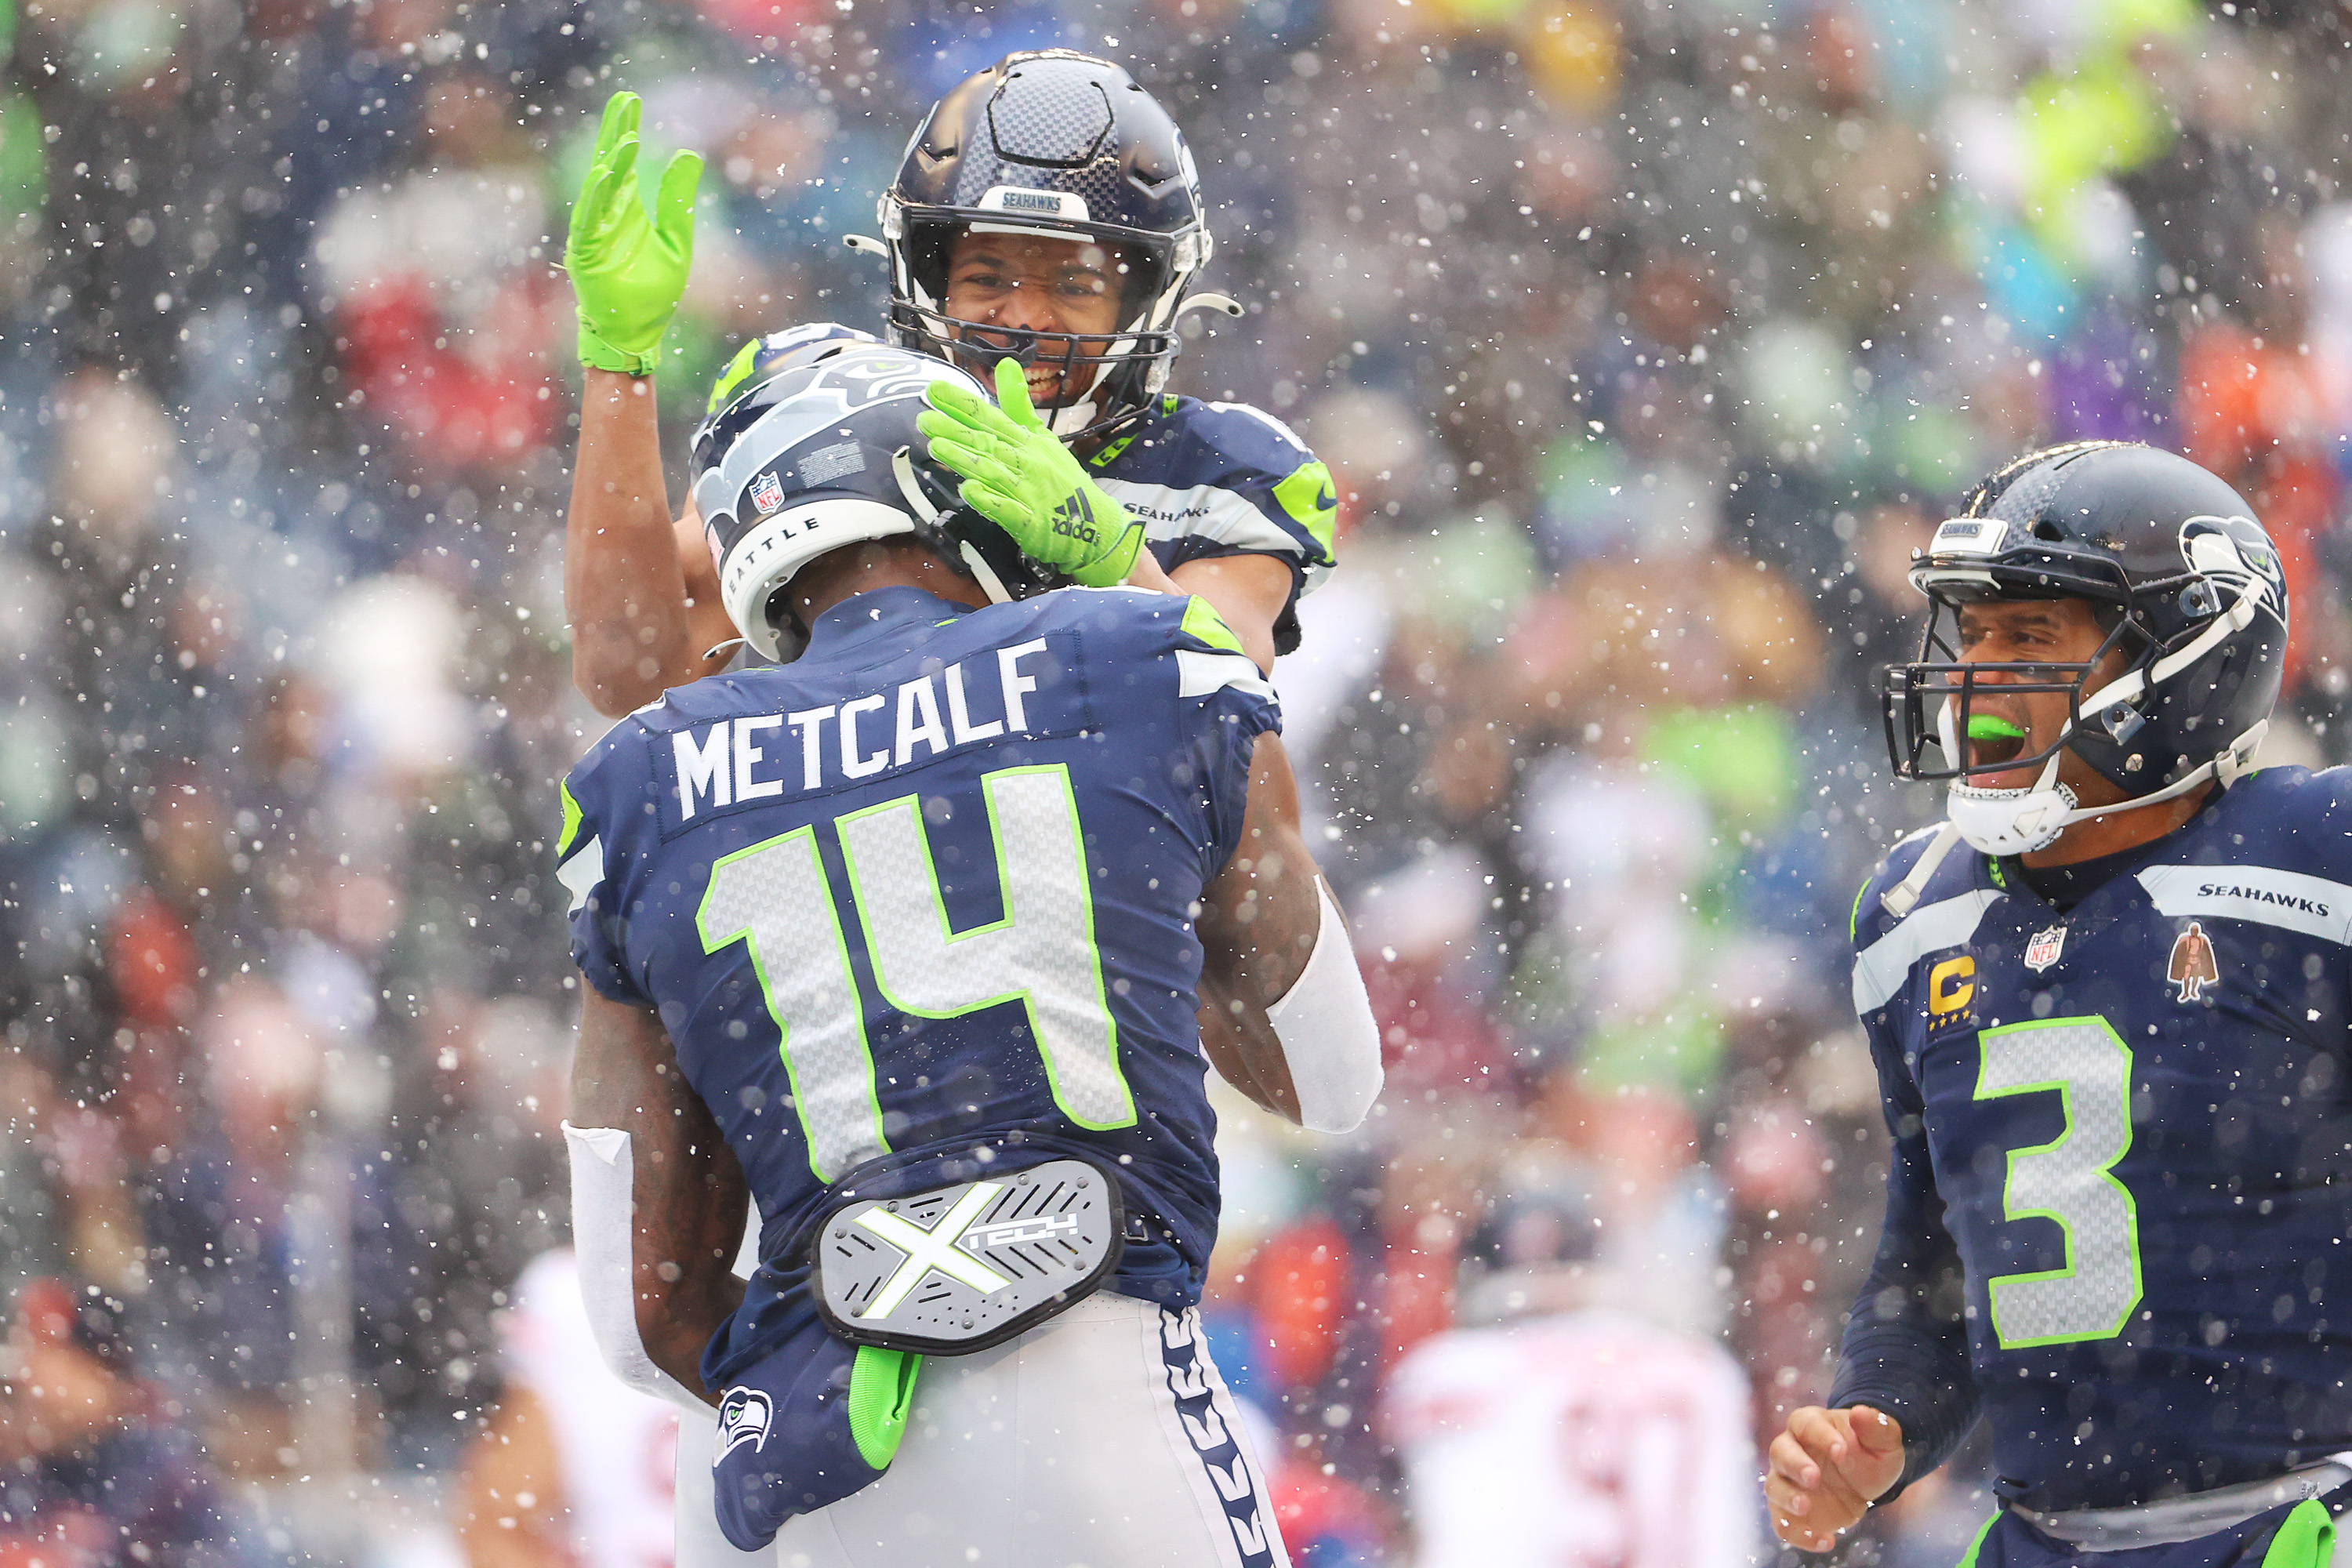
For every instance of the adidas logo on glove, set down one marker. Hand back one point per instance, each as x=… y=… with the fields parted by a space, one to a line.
x=1073 y=520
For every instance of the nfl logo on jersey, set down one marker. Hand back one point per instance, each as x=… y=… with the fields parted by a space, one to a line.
x=767 y=494
x=2043 y=950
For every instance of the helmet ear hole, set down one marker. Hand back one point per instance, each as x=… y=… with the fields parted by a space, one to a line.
x=2049 y=531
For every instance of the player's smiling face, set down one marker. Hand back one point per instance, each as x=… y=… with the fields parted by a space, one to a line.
x=2004 y=724
x=1043 y=284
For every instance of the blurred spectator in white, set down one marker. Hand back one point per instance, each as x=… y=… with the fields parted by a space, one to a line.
x=1555 y=1426
x=572 y=1468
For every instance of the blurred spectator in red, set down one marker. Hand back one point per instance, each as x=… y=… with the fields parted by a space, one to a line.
x=572 y=1468
x=2253 y=407
x=439 y=287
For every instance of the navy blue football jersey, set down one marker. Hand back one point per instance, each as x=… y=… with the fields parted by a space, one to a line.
x=1224 y=479
x=2122 y=1182
x=932 y=885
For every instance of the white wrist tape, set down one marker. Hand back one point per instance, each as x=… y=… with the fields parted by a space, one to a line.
x=1327 y=1033
x=602 y=1176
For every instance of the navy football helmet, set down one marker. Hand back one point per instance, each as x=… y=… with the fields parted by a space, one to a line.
x=1062 y=144
x=824 y=453
x=2189 y=587
x=763 y=356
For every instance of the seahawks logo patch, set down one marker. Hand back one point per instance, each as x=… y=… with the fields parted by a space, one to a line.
x=2235 y=552
x=744 y=1416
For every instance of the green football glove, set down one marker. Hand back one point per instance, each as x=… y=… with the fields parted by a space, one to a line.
x=628 y=267
x=1019 y=477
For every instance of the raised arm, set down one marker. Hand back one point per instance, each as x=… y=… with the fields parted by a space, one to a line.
x=640 y=1135
x=1284 y=1014
x=638 y=589
x=627 y=581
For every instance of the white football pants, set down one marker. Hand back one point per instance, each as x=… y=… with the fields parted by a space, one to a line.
x=1103 y=1438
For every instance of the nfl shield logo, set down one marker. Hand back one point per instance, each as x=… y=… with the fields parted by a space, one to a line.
x=767 y=494
x=2043 y=950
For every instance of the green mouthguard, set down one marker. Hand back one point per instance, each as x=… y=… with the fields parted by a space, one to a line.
x=1985 y=727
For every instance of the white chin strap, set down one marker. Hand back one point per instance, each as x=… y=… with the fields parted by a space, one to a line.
x=902 y=468
x=1068 y=420
x=2019 y=821
x=2013 y=821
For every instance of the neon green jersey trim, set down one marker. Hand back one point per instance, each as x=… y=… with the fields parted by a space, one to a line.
x=1202 y=622
x=1977 y=1544
x=1308 y=496
x=573 y=816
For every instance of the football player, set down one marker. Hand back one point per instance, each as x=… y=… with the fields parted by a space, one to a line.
x=1047 y=216
x=1550 y=1425
x=2108 y=1001
x=918 y=942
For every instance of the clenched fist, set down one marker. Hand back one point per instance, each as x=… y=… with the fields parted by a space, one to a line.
x=1826 y=1470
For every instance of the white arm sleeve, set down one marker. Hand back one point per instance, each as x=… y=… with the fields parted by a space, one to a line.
x=1328 y=1034
x=603 y=1175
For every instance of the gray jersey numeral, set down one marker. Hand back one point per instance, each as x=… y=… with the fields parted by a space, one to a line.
x=775 y=895
x=2070 y=1180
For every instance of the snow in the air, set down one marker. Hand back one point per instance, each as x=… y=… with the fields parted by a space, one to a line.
x=1645 y=341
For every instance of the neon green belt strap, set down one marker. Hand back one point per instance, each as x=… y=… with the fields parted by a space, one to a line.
x=2307 y=1539
x=881 y=1392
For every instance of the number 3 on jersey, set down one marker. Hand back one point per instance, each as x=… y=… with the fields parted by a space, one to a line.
x=774 y=897
x=2070 y=1180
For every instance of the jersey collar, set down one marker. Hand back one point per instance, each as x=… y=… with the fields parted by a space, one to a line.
x=877 y=614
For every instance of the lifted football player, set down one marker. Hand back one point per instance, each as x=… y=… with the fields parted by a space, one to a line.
x=921 y=942
x=1043 y=231
x=2108 y=1001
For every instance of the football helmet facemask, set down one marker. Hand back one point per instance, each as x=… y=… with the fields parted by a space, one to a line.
x=2187 y=583
x=1068 y=146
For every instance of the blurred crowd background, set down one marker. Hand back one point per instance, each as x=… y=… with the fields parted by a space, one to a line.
x=1646 y=339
